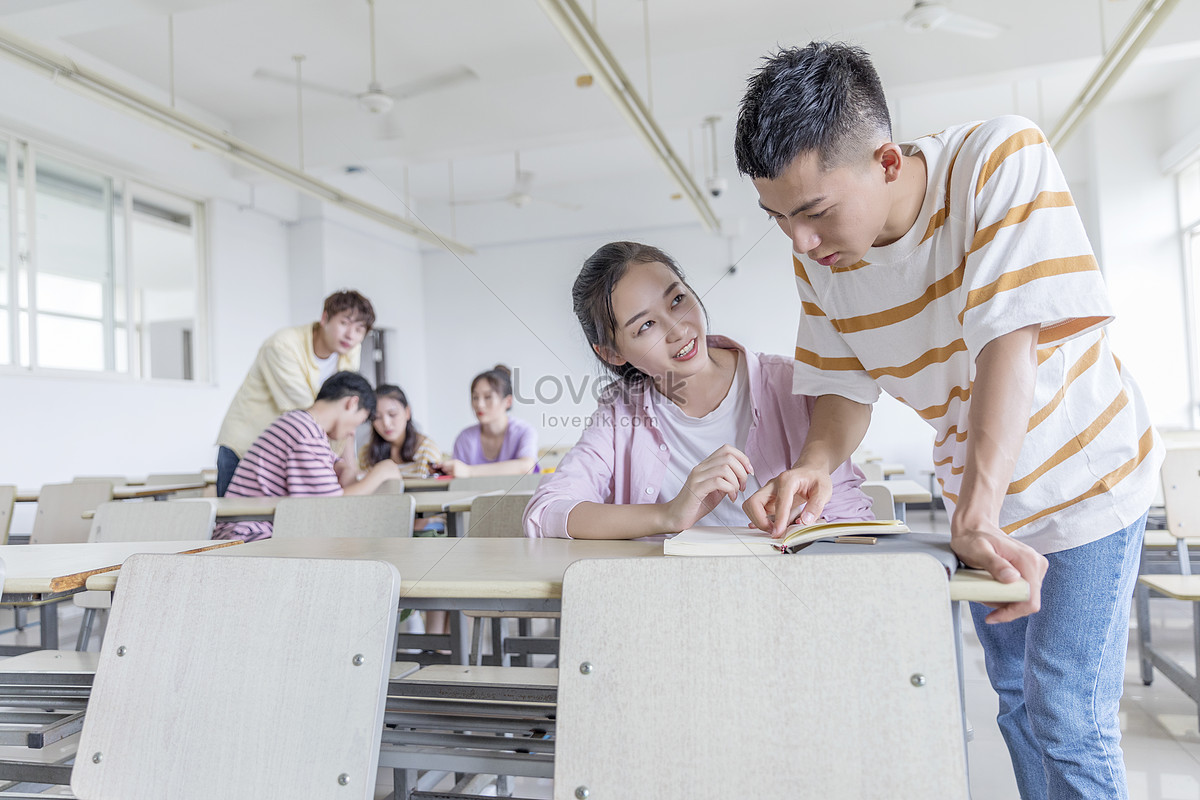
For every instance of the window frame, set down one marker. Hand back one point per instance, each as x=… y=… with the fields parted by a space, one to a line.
x=25 y=150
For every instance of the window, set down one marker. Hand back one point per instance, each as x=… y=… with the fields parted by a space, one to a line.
x=98 y=273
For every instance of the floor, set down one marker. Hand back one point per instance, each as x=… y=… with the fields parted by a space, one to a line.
x=1159 y=722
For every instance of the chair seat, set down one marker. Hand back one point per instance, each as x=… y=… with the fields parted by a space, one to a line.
x=1180 y=587
x=402 y=669
x=516 y=677
x=51 y=661
x=90 y=599
x=514 y=614
x=1159 y=540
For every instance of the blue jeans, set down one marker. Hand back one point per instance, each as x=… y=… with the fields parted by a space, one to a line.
x=1061 y=671
x=227 y=462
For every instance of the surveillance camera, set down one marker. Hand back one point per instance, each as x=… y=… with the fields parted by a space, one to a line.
x=716 y=186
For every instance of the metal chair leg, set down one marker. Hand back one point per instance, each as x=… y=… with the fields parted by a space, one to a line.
x=85 y=629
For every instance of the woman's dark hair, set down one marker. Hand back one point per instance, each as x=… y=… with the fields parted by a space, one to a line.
x=380 y=449
x=498 y=377
x=591 y=296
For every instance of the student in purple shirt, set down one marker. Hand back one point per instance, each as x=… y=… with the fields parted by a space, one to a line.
x=498 y=445
x=690 y=421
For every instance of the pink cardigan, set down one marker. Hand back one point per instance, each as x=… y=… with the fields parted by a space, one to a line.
x=621 y=457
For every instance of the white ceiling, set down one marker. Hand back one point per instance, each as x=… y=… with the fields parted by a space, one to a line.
x=526 y=96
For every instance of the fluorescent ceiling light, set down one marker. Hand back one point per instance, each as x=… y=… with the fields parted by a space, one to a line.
x=1133 y=38
x=65 y=72
x=600 y=62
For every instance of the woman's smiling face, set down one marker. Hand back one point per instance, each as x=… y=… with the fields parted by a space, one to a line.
x=660 y=323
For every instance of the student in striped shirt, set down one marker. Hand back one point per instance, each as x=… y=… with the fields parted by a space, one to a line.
x=292 y=457
x=953 y=272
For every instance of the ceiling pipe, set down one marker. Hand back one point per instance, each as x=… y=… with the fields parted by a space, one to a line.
x=1141 y=26
x=65 y=72
x=604 y=68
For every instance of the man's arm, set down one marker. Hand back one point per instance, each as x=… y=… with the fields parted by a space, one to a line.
x=998 y=420
x=837 y=427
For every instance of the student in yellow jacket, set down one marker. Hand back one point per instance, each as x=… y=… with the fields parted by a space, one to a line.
x=288 y=371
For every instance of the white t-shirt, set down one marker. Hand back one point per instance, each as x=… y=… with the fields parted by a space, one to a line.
x=690 y=440
x=326 y=367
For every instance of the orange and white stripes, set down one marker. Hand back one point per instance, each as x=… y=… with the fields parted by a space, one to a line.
x=998 y=246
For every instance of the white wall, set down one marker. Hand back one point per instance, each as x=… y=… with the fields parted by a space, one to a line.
x=1134 y=228
x=60 y=426
x=513 y=305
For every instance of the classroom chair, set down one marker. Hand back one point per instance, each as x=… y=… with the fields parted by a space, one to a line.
x=368 y=516
x=167 y=478
x=742 y=677
x=871 y=470
x=139 y=522
x=59 y=518
x=8 y=498
x=499 y=515
x=1181 y=495
x=883 y=503
x=496 y=483
x=215 y=683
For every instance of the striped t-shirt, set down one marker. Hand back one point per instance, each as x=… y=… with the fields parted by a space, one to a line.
x=998 y=245
x=291 y=458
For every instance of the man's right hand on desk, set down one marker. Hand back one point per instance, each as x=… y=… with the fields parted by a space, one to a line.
x=985 y=546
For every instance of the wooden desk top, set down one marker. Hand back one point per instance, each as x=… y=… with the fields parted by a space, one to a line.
x=47 y=568
x=426 y=484
x=905 y=491
x=437 y=502
x=527 y=569
x=127 y=491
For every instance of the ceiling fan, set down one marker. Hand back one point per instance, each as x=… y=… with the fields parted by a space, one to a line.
x=377 y=99
x=936 y=15
x=519 y=196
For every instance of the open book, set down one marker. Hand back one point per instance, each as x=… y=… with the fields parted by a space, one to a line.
x=721 y=541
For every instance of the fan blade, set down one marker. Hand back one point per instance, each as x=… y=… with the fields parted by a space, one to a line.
x=290 y=80
x=429 y=83
x=970 y=26
x=389 y=127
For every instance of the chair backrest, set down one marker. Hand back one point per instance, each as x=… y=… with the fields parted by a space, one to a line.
x=883 y=504
x=493 y=483
x=1181 y=491
x=871 y=470
x=498 y=515
x=8 y=497
x=369 y=516
x=152 y=522
x=160 y=478
x=391 y=486
x=215 y=682
x=116 y=480
x=821 y=676
x=59 y=518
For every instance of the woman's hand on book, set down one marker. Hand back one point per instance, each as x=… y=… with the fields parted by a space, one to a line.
x=985 y=546
x=799 y=493
x=722 y=474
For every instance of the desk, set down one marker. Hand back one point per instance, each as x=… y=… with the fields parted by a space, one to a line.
x=426 y=484
x=43 y=574
x=509 y=574
x=905 y=492
x=130 y=491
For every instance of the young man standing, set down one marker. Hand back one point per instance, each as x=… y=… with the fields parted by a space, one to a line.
x=954 y=273
x=287 y=372
x=292 y=457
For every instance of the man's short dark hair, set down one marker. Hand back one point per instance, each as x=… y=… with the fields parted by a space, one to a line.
x=825 y=98
x=349 y=384
x=360 y=308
